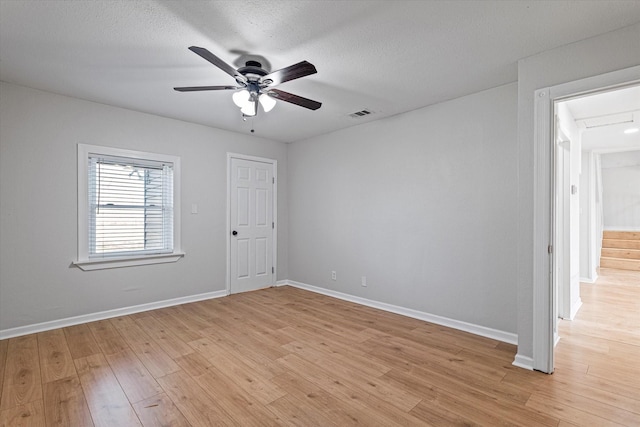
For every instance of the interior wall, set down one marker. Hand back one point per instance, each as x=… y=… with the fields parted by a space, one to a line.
x=38 y=139
x=423 y=204
x=567 y=124
x=591 y=57
x=589 y=259
x=621 y=196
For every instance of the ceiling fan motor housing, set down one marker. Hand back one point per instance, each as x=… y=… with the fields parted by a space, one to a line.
x=252 y=70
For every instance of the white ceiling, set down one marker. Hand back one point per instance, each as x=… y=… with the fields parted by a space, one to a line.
x=386 y=56
x=603 y=118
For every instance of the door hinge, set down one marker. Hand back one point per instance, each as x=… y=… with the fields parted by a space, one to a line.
x=273 y=225
x=273 y=180
x=273 y=270
x=550 y=249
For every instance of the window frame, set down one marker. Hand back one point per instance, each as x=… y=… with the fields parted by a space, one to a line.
x=83 y=260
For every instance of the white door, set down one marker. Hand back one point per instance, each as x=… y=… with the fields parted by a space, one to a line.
x=251 y=225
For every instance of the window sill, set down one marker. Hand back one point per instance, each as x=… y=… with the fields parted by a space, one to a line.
x=103 y=263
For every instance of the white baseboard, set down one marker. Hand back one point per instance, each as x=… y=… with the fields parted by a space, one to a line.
x=523 y=362
x=621 y=228
x=589 y=280
x=85 y=318
x=575 y=307
x=495 y=334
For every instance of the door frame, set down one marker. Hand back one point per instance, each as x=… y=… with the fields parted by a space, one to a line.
x=544 y=221
x=274 y=208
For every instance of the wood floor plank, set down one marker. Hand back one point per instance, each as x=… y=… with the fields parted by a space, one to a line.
x=480 y=403
x=239 y=404
x=319 y=400
x=249 y=379
x=293 y=411
x=433 y=414
x=134 y=378
x=169 y=342
x=588 y=405
x=600 y=389
x=64 y=403
x=22 y=382
x=194 y=402
x=159 y=411
x=4 y=346
x=178 y=326
x=148 y=351
x=566 y=412
x=105 y=398
x=327 y=353
x=28 y=415
x=81 y=341
x=194 y=364
x=380 y=400
x=107 y=337
x=55 y=358
x=255 y=356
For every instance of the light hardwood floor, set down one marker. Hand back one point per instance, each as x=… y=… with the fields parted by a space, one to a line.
x=283 y=356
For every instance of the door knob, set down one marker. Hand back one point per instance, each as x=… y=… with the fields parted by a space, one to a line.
x=234 y=232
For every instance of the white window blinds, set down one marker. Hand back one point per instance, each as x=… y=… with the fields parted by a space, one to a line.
x=130 y=206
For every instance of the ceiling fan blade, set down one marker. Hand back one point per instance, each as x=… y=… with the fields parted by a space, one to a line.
x=294 y=99
x=291 y=72
x=204 y=53
x=197 y=88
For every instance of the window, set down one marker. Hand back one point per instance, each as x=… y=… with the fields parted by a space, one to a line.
x=126 y=212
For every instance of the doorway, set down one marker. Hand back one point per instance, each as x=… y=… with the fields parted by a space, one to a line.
x=544 y=262
x=251 y=224
x=588 y=128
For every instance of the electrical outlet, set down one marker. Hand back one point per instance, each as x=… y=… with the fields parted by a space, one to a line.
x=364 y=281
x=333 y=275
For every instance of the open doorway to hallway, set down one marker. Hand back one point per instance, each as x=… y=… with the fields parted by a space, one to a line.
x=597 y=199
x=596 y=360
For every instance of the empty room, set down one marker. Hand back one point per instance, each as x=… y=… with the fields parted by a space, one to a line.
x=319 y=213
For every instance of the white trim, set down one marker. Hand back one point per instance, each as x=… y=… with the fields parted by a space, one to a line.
x=281 y=283
x=543 y=300
x=85 y=318
x=274 y=166
x=495 y=334
x=523 y=362
x=82 y=261
x=574 y=308
x=543 y=196
x=621 y=228
x=589 y=280
x=102 y=263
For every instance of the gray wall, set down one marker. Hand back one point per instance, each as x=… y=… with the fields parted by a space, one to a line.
x=423 y=204
x=38 y=231
x=591 y=57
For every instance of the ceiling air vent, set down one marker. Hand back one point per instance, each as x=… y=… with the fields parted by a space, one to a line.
x=360 y=113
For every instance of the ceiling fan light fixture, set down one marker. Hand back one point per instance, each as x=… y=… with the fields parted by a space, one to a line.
x=241 y=98
x=267 y=102
x=250 y=109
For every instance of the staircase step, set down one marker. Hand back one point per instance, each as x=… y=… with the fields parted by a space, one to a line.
x=621 y=253
x=622 y=235
x=619 y=263
x=621 y=244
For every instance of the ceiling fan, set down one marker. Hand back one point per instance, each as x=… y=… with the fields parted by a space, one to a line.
x=255 y=85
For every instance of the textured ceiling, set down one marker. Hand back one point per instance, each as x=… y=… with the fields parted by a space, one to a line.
x=386 y=56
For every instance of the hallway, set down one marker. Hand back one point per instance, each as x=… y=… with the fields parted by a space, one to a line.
x=599 y=354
